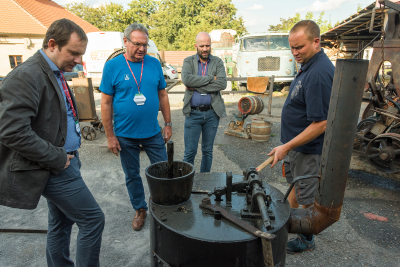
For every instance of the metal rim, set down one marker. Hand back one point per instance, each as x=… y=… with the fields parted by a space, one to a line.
x=383 y=153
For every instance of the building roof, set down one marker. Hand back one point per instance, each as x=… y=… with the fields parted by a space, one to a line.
x=34 y=17
x=355 y=27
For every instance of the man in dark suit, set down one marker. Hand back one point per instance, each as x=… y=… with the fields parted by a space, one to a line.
x=39 y=139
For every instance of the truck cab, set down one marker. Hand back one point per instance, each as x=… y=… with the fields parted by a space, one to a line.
x=264 y=55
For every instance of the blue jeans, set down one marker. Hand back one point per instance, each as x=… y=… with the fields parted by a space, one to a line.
x=130 y=150
x=70 y=201
x=206 y=124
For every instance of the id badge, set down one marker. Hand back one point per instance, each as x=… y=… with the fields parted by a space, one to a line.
x=77 y=128
x=139 y=99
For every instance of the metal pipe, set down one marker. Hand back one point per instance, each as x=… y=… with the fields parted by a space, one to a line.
x=271 y=91
x=344 y=108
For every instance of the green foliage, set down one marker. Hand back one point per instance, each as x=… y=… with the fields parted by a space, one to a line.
x=359 y=7
x=287 y=24
x=172 y=24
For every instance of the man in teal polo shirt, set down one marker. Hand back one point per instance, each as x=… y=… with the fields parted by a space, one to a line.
x=133 y=90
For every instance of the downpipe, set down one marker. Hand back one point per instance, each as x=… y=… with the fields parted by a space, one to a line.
x=344 y=109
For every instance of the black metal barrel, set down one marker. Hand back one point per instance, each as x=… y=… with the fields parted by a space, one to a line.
x=186 y=235
x=170 y=191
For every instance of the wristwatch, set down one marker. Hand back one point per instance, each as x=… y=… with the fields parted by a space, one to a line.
x=168 y=124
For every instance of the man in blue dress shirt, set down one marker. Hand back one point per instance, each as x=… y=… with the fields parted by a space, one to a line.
x=39 y=141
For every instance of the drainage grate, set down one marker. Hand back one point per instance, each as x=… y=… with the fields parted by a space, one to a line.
x=269 y=63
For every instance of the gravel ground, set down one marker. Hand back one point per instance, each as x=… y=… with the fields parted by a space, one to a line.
x=353 y=241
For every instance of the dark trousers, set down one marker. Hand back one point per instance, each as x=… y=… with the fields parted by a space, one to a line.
x=70 y=201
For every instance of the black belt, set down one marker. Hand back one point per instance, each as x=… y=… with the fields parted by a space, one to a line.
x=202 y=108
x=73 y=152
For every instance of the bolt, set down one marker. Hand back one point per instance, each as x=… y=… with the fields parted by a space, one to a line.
x=384 y=156
x=159 y=228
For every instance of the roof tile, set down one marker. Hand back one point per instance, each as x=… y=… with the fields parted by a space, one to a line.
x=35 y=16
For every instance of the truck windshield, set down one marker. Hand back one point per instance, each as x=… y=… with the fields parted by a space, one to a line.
x=275 y=42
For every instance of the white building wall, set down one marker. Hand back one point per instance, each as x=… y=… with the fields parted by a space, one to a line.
x=17 y=46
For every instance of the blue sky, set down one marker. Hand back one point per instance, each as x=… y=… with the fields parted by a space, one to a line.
x=259 y=14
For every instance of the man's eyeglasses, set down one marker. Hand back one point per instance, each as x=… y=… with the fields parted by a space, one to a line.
x=138 y=44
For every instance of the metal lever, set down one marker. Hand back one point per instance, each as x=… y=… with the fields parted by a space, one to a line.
x=263 y=209
x=206 y=204
x=228 y=196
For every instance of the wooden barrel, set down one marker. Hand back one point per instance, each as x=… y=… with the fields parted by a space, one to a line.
x=251 y=105
x=260 y=130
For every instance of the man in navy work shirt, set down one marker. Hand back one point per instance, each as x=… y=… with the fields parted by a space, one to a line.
x=39 y=139
x=204 y=77
x=133 y=90
x=304 y=116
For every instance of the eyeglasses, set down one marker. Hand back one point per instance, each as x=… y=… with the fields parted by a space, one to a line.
x=138 y=44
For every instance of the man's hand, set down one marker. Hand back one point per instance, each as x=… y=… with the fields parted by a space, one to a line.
x=215 y=78
x=69 y=157
x=167 y=133
x=191 y=89
x=280 y=152
x=113 y=145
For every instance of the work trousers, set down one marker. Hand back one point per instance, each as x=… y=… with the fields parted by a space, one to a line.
x=206 y=124
x=130 y=149
x=70 y=201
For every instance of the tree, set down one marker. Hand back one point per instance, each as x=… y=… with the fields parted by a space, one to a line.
x=172 y=24
x=287 y=24
x=108 y=17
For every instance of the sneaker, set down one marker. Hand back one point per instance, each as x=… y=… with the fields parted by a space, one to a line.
x=300 y=244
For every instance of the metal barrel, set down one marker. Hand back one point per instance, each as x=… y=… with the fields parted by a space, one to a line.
x=260 y=130
x=251 y=105
x=344 y=109
x=165 y=190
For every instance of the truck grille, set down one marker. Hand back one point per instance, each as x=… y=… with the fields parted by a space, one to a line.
x=269 y=63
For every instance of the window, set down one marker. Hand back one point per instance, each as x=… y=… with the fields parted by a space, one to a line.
x=15 y=61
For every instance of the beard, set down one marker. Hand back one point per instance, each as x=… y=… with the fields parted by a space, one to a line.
x=200 y=53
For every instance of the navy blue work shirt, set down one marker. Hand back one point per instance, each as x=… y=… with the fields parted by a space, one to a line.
x=199 y=99
x=308 y=101
x=73 y=141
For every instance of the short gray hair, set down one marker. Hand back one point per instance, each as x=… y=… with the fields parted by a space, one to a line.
x=135 y=27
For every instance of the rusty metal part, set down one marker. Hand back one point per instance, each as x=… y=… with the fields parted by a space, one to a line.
x=206 y=204
x=383 y=152
x=24 y=231
x=338 y=146
x=88 y=133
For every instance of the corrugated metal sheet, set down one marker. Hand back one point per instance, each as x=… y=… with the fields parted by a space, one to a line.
x=176 y=58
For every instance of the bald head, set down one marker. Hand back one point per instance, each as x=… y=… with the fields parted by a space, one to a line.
x=203 y=46
x=203 y=36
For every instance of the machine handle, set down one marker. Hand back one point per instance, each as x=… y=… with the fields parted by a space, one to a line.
x=265 y=163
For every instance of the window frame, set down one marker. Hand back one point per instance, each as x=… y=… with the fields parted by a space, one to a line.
x=14 y=57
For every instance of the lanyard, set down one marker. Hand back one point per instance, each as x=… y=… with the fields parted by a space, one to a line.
x=141 y=73
x=66 y=92
x=203 y=72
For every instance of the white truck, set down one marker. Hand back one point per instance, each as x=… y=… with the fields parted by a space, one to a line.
x=264 y=55
x=102 y=44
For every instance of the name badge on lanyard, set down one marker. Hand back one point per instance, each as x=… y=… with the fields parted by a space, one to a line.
x=77 y=128
x=139 y=98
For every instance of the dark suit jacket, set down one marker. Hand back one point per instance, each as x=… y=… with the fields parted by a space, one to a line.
x=33 y=130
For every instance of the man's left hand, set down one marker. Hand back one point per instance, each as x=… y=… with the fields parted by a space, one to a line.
x=167 y=133
x=280 y=152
